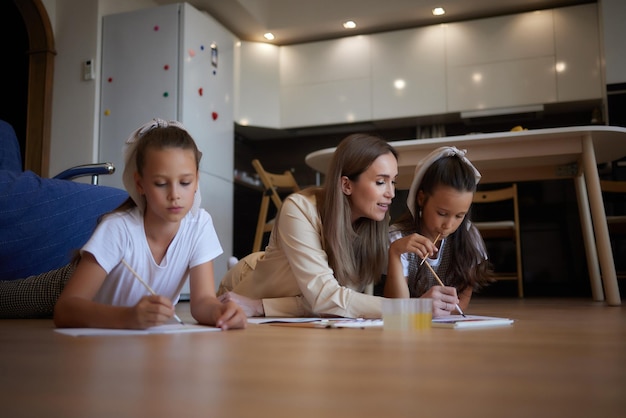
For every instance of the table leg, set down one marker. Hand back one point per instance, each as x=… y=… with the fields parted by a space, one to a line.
x=605 y=254
x=591 y=251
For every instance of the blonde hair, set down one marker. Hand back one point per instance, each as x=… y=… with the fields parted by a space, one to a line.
x=356 y=252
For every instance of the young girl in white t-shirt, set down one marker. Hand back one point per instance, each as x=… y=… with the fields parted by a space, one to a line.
x=132 y=269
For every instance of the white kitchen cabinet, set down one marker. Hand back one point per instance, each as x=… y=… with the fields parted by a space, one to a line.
x=499 y=62
x=503 y=84
x=613 y=33
x=257 y=86
x=325 y=82
x=577 y=59
x=498 y=39
x=319 y=62
x=329 y=103
x=508 y=61
x=408 y=73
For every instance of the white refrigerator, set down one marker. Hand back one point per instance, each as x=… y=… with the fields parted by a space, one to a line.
x=176 y=63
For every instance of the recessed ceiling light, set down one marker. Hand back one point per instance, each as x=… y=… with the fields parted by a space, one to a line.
x=349 y=24
x=438 y=11
x=269 y=36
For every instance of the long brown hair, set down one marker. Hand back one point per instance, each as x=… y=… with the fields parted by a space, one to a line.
x=357 y=252
x=467 y=268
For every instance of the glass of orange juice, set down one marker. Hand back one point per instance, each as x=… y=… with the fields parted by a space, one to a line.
x=413 y=314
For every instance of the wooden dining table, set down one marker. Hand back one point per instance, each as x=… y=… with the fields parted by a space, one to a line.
x=537 y=154
x=560 y=358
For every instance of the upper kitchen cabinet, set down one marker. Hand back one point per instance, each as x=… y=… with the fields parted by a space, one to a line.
x=257 y=86
x=408 y=73
x=577 y=38
x=326 y=82
x=505 y=38
x=504 y=62
x=501 y=62
x=530 y=58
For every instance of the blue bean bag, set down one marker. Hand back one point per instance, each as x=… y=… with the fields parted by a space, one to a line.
x=43 y=221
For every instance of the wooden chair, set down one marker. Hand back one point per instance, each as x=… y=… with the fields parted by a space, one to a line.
x=614 y=193
x=508 y=229
x=273 y=184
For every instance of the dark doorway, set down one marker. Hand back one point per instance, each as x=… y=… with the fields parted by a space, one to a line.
x=14 y=71
x=27 y=78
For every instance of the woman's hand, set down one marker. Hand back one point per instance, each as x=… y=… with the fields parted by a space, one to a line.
x=444 y=299
x=251 y=307
x=413 y=243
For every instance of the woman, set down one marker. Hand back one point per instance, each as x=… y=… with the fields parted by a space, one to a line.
x=437 y=230
x=329 y=244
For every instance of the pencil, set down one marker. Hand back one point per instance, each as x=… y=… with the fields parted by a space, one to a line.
x=147 y=286
x=434 y=242
x=458 y=308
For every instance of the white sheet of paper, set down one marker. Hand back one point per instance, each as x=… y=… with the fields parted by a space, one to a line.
x=161 y=329
x=271 y=319
x=470 y=321
x=322 y=322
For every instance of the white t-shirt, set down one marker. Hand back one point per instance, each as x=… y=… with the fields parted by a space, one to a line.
x=121 y=235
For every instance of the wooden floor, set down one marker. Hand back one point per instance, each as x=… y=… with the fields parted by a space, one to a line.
x=561 y=358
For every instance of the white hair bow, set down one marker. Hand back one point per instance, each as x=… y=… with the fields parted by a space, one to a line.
x=423 y=165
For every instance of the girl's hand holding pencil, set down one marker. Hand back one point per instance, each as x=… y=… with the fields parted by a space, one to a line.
x=153 y=310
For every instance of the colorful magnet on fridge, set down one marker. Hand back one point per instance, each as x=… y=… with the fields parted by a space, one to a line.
x=214 y=115
x=156 y=28
x=110 y=79
x=107 y=112
x=200 y=91
x=192 y=53
x=166 y=94
x=166 y=67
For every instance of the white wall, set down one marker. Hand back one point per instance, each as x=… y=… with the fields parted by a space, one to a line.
x=75 y=103
x=73 y=100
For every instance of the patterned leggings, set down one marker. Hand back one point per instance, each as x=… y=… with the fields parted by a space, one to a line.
x=34 y=296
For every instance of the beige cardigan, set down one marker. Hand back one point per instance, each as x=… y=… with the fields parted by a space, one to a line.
x=292 y=275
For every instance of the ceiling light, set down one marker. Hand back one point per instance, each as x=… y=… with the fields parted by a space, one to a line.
x=438 y=11
x=349 y=24
x=269 y=36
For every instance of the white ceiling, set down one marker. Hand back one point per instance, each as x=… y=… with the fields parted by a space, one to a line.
x=297 y=21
